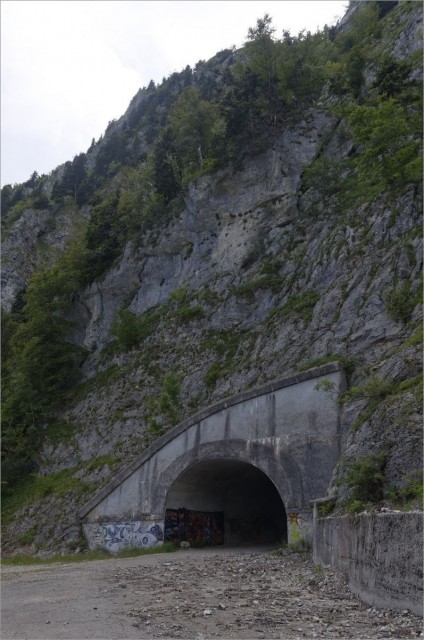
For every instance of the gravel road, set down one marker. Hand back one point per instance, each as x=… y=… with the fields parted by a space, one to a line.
x=193 y=595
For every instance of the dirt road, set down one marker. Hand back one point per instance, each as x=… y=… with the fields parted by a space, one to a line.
x=192 y=595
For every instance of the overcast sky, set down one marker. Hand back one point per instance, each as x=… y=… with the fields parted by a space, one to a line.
x=69 y=67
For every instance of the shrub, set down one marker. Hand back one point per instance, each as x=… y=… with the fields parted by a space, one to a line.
x=167 y=403
x=99 y=462
x=373 y=388
x=131 y=329
x=400 y=303
x=347 y=363
x=326 y=508
x=28 y=537
x=212 y=376
x=365 y=478
x=272 y=281
x=186 y=313
x=411 y=490
x=302 y=305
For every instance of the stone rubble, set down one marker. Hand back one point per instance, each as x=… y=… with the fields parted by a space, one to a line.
x=244 y=595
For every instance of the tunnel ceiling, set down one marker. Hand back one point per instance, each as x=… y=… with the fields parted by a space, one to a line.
x=218 y=473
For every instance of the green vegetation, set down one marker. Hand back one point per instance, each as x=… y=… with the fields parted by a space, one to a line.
x=225 y=344
x=167 y=403
x=384 y=130
x=410 y=493
x=59 y=431
x=326 y=508
x=40 y=366
x=99 y=462
x=375 y=391
x=347 y=363
x=416 y=338
x=302 y=546
x=87 y=556
x=373 y=388
x=32 y=488
x=28 y=536
x=130 y=330
x=266 y=281
x=401 y=302
x=301 y=305
x=365 y=478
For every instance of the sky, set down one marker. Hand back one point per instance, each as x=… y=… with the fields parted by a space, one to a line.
x=69 y=67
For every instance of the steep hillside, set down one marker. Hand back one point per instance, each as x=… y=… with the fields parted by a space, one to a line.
x=255 y=216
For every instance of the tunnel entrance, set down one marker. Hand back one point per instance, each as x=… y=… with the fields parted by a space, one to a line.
x=224 y=502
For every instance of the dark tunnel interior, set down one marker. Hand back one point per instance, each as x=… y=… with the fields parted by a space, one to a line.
x=224 y=502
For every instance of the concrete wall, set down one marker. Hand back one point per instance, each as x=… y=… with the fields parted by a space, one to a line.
x=381 y=553
x=116 y=536
x=288 y=429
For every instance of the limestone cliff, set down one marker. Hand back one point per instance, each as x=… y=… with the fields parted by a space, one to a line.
x=270 y=265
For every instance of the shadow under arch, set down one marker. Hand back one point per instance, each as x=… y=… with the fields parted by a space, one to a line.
x=224 y=500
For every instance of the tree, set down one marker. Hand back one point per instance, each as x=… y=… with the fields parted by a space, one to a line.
x=6 y=199
x=392 y=76
x=262 y=52
x=261 y=49
x=41 y=364
x=386 y=132
x=198 y=131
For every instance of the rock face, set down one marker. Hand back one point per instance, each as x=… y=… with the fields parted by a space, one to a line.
x=227 y=218
x=34 y=238
x=261 y=274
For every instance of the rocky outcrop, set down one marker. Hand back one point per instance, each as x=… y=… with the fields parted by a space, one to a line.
x=34 y=239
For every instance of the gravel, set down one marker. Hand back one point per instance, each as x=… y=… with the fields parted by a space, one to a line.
x=194 y=594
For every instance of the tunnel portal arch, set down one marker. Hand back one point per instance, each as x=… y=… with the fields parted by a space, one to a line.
x=287 y=429
x=224 y=501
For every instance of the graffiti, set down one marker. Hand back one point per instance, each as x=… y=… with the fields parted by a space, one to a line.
x=94 y=535
x=201 y=527
x=298 y=528
x=115 y=536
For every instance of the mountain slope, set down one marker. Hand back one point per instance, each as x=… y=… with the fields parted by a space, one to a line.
x=234 y=225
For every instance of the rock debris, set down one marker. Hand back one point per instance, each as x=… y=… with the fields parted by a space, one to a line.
x=248 y=596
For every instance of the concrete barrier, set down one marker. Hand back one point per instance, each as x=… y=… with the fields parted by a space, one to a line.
x=380 y=553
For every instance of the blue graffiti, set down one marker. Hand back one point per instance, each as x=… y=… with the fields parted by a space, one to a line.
x=124 y=535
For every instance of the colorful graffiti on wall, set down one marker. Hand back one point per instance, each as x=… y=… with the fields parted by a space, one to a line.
x=196 y=527
x=125 y=535
x=298 y=528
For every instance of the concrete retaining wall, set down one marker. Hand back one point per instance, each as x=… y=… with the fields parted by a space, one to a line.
x=381 y=553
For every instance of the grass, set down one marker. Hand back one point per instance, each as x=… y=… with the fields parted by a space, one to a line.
x=27 y=559
x=301 y=305
x=100 y=461
x=347 y=363
x=375 y=391
x=225 y=344
x=59 y=431
x=416 y=338
x=266 y=281
x=102 y=379
x=33 y=488
x=186 y=313
x=410 y=493
x=293 y=547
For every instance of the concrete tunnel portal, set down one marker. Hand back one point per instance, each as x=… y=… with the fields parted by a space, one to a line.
x=242 y=471
x=224 y=501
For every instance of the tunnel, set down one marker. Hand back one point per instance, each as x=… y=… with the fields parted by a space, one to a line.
x=227 y=502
